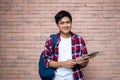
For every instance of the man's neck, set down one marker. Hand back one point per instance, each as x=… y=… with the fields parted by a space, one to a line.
x=65 y=35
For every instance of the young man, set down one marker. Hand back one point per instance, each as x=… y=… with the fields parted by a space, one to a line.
x=69 y=49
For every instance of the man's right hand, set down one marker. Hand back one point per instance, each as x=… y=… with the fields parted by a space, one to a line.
x=69 y=63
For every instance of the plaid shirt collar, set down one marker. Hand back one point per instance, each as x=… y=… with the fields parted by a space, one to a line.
x=73 y=35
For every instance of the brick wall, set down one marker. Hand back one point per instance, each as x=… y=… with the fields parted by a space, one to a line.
x=26 y=24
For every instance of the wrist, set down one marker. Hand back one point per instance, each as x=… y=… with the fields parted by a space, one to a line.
x=62 y=64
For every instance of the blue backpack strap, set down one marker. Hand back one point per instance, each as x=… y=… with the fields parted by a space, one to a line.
x=54 y=38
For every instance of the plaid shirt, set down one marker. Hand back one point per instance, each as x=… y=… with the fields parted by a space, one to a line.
x=78 y=49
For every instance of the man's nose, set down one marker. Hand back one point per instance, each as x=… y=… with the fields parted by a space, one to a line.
x=65 y=24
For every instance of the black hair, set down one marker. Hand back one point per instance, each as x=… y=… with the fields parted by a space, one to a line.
x=62 y=14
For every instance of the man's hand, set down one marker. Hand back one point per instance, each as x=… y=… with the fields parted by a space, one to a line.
x=82 y=61
x=69 y=63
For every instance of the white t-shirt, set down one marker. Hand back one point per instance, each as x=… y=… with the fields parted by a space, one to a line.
x=65 y=53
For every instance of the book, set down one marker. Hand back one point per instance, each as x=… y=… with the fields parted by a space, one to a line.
x=90 y=55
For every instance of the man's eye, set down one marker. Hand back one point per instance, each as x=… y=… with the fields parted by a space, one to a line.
x=61 y=22
x=68 y=22
x=65 y=22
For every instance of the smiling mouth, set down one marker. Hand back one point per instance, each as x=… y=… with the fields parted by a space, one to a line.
x=66 y=28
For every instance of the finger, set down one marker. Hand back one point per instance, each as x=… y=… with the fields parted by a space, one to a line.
x=85 y=58
x=71 y=66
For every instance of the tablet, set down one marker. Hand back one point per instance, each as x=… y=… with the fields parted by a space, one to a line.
x=90 y=55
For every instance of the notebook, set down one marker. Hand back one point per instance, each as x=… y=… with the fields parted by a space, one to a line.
x=90 y=55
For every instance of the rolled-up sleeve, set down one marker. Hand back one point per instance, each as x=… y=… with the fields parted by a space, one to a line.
x=48 y=51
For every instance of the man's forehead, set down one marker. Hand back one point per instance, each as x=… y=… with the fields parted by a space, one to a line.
x=65 y=19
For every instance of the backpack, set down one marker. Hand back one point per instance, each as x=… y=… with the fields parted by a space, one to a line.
x=44 y=72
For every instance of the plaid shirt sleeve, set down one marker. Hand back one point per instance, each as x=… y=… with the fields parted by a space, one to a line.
x=48 y=51
x=84 y=49
x=80 y=45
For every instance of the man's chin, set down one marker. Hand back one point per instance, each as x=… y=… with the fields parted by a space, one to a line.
x=67 y=33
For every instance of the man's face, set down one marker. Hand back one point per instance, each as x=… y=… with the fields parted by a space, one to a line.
x=64 y=25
